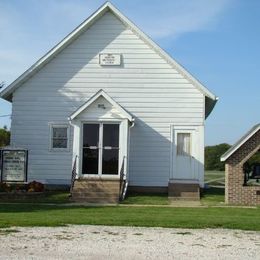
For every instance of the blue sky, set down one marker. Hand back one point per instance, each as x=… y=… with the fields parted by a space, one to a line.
x=217 y=41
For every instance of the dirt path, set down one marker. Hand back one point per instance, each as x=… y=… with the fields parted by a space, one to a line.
x=102 y=242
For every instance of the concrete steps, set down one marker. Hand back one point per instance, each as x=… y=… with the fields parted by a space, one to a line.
x=184 y=191
x=98 y=191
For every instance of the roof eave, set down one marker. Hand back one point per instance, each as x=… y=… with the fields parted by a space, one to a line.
x=101 y=92
x=240 y=142
x=209 y=105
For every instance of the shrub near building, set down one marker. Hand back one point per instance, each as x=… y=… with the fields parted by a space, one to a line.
x=212 y=157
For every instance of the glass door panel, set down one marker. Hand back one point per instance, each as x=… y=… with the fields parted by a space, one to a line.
x=111 y=135
x=90 y=153
x=110 y=151
x=100 y=149
x=90 y=161
x=90 y=135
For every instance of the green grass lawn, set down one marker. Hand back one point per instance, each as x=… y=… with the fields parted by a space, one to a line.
x=59 y=215
x=213 y=197
x=215 y=178
x=54 y=210
x=146 y=199
x=54 y=197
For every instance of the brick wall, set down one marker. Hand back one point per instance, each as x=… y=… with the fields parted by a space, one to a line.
x=235 y=192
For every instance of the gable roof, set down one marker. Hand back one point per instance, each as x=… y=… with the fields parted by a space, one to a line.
x=101 y=93
x=240 y=142
x=7 y=92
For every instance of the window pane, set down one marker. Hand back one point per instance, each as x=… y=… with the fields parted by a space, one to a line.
x=111 y=135
x=110 y=161
x=59 y=137
x=90 y=135
x=90 y=161
x=183 y=144
x=59 y=132
x=59 y=143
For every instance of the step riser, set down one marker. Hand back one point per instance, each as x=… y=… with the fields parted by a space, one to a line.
x=96 y=191
x=183 y=191
x=95 y=195
x=95 y=201
x=115 y=190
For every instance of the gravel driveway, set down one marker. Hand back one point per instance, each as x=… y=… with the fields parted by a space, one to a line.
x=102 y=242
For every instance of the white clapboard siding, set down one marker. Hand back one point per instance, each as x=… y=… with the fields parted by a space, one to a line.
x=145 y=84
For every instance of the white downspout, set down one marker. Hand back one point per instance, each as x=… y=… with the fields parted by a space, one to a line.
x=128 y=148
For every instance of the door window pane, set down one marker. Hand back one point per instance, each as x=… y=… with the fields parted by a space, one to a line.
x=90 y=135
x=183 y=144
x=90 y=153
x=111 y=135
x=90 y=161
x=110 y=161
x=110 y=149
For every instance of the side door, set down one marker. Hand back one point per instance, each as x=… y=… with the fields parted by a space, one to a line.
x=185 y=149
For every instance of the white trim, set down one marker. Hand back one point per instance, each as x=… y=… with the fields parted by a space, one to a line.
x=122 y=151
x=57 y=125
x=7 y=92
x=194 y=130
x=94 y=98
x=240 y=142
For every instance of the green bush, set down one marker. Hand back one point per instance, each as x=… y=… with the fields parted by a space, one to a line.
x=212 y=157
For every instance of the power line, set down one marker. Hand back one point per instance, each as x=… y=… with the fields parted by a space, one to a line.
x=4 y=115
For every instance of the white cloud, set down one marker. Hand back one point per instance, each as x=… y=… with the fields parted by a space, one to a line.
x=29 y=29
x=168 y=18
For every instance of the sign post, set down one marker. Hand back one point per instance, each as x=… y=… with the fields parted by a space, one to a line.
x=14 y=165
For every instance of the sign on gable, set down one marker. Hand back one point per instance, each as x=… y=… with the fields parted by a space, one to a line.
x=109 y=59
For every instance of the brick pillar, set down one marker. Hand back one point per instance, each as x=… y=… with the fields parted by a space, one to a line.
x=235 y=191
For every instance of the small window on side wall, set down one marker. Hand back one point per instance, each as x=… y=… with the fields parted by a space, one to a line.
x=183 y=144
x=59 y=137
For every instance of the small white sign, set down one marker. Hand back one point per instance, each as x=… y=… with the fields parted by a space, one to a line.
x=14 y=166
x=109 y=59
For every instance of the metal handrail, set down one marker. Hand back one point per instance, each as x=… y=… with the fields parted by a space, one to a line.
x=73 y=174
x=123 y=181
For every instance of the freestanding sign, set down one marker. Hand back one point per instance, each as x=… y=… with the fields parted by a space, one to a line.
x=14 y=165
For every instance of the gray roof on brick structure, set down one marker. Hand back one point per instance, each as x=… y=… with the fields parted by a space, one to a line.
x=240 y=142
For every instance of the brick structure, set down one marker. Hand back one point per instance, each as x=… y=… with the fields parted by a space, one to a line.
x=235 y=190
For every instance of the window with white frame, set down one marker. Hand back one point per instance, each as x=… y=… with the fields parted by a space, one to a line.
x=59 y=137
x=183 y=144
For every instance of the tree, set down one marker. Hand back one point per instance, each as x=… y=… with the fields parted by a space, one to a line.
x=4 y=136
x=212 y=157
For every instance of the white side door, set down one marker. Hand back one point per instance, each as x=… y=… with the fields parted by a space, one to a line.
x=185 y=149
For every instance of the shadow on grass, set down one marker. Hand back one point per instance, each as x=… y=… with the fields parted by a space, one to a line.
x=146 y=199
x=213 y=196
x=213 y=191
x=57 y=197
x=32 y=207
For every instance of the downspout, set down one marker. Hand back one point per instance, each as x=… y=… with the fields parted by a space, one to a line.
x=132 y=124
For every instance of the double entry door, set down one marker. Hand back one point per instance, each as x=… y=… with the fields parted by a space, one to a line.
x=100 y=149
